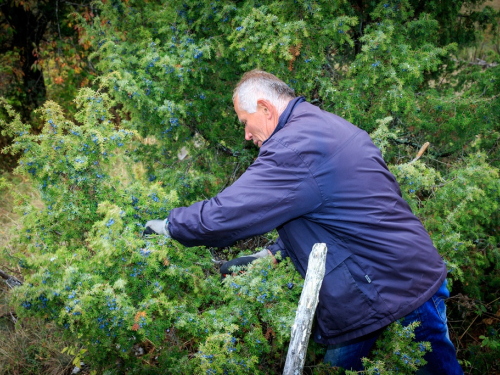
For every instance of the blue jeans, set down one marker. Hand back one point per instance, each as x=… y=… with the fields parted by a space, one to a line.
x=433 y=328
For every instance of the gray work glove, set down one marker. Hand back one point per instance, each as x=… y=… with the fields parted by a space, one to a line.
x=157 y=227
x=242 y=261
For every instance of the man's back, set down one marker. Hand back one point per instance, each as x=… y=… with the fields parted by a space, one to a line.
x=381 y=263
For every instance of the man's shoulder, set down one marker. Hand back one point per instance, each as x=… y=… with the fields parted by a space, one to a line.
x=308 y=117
x=311 y=127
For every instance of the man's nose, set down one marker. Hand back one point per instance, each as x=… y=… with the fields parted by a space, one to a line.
x=248 y=136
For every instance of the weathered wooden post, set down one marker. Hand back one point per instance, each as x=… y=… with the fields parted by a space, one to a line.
x=301 y=329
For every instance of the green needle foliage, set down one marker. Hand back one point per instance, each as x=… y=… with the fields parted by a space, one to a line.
x=159 y=131
x=396 y=352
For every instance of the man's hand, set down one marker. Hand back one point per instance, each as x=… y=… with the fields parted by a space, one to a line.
x=156 y=227
x=243 y=261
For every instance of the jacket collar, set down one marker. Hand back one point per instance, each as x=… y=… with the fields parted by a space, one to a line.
x=283 y=119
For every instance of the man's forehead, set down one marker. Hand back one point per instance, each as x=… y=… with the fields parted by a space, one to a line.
x=239 y=112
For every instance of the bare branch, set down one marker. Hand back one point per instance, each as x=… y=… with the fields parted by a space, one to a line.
x=11 y=281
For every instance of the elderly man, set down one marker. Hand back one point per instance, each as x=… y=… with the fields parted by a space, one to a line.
x=319 y=178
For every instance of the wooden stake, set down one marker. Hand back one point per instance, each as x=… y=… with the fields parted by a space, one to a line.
x=301 y=329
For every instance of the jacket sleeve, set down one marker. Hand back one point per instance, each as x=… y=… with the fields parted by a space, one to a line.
x=276 y=188
x=278 y=246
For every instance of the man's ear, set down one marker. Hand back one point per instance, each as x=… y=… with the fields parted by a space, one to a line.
x=266 y=106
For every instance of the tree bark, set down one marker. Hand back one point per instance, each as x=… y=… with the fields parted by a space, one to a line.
x=301 y=329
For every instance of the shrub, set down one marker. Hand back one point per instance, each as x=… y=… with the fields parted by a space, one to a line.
x=160 y=131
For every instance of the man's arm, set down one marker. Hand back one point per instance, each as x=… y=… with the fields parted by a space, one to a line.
x=278 y=187
x=245 y=260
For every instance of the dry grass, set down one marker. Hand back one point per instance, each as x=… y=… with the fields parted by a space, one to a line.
x=30 y=346
x=488 y=47
x=10 y=186
x=9 y=219
x=495 y=4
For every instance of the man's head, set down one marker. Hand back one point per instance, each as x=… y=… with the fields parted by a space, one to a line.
x=259 y=99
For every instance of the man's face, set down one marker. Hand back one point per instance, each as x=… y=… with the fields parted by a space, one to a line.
x=258 y=125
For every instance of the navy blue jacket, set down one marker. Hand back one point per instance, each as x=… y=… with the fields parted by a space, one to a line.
x=319 y=178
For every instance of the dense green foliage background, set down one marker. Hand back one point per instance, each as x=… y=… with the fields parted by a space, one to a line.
x=156 y=129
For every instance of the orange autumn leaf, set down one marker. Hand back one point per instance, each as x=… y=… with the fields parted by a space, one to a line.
x=139 y=315
x=59 y=80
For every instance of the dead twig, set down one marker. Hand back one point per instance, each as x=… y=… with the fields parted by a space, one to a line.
x=470 y=325
x=11 y=281
x=420 y=152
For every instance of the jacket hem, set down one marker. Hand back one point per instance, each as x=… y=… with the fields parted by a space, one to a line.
x=358 y=332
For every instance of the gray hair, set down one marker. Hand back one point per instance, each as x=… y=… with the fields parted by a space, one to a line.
x=257 y=84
